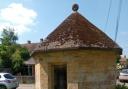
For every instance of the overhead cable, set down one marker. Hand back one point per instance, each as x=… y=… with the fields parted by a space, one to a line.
x=118 y=19
x=110 y=4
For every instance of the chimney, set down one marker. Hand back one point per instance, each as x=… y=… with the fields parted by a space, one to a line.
x=41 y=40
x=29 y=42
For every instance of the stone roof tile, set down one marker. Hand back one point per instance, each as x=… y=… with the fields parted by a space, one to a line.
x=74 y=32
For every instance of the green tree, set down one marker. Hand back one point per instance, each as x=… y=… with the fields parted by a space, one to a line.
x=9 y=37
x=118 y=59
x=12 y=54
x=17 y=61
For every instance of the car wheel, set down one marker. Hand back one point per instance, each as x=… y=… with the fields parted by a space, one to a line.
x=2 y=87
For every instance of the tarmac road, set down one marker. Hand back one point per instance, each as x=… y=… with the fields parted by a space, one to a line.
x=32 y=86
x=26 y=86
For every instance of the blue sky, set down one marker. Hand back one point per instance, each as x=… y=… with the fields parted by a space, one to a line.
x=35 y=19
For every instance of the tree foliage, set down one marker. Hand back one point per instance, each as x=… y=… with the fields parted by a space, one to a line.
x=118 y=59
x=12 y=54
x=121 y=87
x=9 y=37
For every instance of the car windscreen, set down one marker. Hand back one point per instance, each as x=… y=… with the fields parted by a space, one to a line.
x=9 y=76
x=124 y=71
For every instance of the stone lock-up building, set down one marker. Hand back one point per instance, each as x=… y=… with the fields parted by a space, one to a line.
x=76 y=55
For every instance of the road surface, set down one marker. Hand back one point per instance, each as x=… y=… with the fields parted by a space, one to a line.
x=26 y=86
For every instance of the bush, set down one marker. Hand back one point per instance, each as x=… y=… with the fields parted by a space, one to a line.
x=121 y=87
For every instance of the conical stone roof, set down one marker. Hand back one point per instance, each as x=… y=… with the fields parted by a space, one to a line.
x=76 y=32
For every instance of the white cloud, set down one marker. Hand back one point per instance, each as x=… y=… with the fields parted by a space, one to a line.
x=18 y=17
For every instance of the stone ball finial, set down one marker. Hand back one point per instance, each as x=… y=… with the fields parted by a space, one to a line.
x=75 y=7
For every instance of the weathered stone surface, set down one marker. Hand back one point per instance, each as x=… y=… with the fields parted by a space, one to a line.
x=75 y=32
x=86 y=69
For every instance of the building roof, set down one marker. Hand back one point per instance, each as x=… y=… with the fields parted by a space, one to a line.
x=30 y=46
x=123 y=58
x=76 y=32
x=30 y=61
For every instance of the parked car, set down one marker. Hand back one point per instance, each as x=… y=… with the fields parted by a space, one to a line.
x=8 y=81
x=123 y=76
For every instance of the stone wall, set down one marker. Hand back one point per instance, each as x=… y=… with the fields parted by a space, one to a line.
x=86 y=69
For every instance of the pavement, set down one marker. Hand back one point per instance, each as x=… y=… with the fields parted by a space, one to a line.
x=26 y=86
x=120 y=83
x=32 y=86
